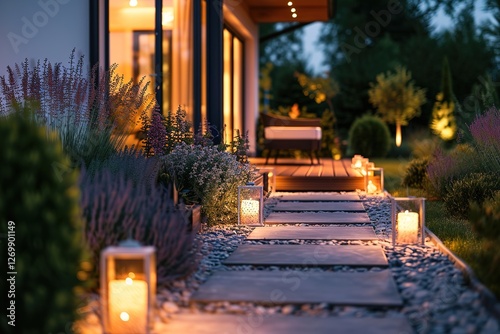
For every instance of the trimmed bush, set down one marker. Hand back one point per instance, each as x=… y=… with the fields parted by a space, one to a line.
x=42 y=205
x=370 y=137
x=474 y=187
x=416 y=174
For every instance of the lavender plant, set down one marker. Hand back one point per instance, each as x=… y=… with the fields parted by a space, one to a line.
x=92 y=112
x=114 y=208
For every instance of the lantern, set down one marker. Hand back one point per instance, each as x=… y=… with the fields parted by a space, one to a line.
x=250 y=205
x=408 y=220
x=374 y=180
x=357 y=161
x=128 y=288
x=367 y=166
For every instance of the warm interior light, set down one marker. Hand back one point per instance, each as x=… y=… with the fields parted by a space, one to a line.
x=131 y=275
x=124 y=316
x=132 y=3
x=290 y=3
x=293 y=10
x=128 y=281
x=294 y=15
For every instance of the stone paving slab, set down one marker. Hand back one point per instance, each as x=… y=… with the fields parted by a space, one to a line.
x=313 y=233
x=317 y=218
x=319 y=206
x=371 y=288
x=308 y=255
x=314 y=197
x=281 y=324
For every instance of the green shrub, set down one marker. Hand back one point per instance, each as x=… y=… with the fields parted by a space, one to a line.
x=210 y=177
x=485 y=220
x=474 y=187
x=370 y=137
x=42 y=203
x=416 y=174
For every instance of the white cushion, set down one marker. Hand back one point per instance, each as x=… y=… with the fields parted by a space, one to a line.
x=293 y=132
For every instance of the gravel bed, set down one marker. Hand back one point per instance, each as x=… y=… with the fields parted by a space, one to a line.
x=436 y=296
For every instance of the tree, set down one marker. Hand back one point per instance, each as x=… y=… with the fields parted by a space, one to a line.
x=396 y=98
x=443 y=122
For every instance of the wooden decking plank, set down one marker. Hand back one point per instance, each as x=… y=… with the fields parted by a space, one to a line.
x=313 y=233
x=301 y=171
x=327 y=168
x=285 y=170
x=319 y=206
x=338 y=168
x=315 y=171
x=307 y=255
x=281 y=324
x=351 y=171
x=317 y=218
x=371 y=288
x=318 y=196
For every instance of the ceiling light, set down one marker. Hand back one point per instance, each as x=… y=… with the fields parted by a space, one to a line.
x=294 y=15
x=293 y=10
x=290 y=3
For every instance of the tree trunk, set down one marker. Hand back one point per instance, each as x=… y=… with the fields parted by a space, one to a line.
x=398 y=134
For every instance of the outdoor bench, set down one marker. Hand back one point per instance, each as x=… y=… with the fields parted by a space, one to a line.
x=285 y=133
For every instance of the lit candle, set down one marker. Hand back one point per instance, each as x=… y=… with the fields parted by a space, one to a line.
x=128 y=306
x=250 y=211
x=357 y=164
x=407 y=227
x=371 y=188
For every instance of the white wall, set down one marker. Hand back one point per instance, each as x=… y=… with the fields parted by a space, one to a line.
x=39 y=29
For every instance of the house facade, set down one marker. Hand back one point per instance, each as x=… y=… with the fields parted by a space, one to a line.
x=200 y=55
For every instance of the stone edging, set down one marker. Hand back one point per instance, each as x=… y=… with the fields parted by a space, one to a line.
x=487 y=297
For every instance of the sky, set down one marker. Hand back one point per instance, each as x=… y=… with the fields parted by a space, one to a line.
x=315 y=56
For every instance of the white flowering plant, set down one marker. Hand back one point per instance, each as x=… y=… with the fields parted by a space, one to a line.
x=211 y=177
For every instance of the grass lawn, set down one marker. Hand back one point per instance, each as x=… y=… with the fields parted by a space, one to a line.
x=455 y=233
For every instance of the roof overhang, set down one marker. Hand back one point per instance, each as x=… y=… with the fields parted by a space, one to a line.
x=271 y=11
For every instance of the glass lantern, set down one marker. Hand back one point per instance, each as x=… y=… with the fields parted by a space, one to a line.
x=250 y=205
x=366 y=167
x=128 y=288
x=374 y=181
x=408 y=220
x=357 y=161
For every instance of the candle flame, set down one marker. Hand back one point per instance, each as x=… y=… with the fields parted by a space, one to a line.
x=124 y=316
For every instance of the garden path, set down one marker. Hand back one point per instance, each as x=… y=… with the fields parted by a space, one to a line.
x=293 y=278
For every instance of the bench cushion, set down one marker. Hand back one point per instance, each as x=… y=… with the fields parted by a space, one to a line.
x=292 y=132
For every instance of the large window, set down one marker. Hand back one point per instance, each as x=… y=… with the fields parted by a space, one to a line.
x=132 y=45
x=233 y=84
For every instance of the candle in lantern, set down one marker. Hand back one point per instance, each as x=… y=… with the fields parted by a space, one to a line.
x=371 y=188
x=250 y=211
x=128 y=305
x=407 y=227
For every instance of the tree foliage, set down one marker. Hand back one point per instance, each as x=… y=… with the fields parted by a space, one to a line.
x=396 y=97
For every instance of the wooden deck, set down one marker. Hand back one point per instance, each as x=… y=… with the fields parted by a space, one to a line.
x=300 y=175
